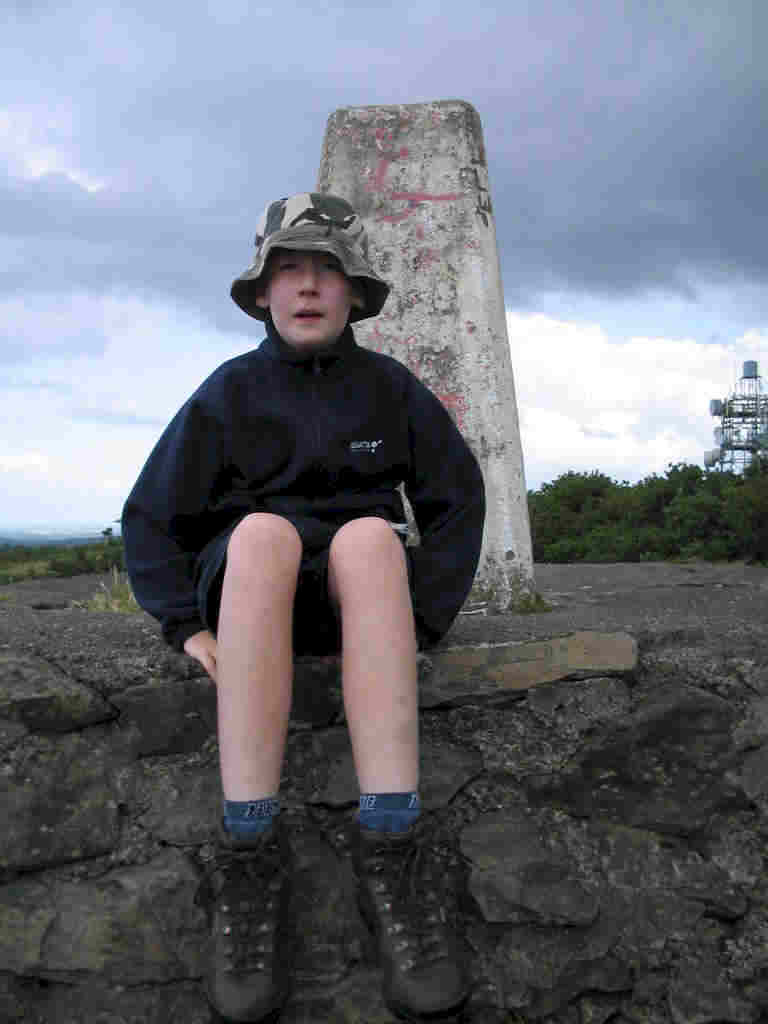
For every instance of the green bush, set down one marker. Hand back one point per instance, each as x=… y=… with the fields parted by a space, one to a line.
x=686 y=514
x=21 y=562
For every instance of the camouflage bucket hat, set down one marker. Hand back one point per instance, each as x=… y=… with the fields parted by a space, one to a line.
x=313 y=221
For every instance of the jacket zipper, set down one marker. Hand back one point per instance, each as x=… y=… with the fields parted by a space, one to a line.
x=316 y=372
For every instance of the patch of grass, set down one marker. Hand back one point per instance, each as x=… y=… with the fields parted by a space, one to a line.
x=30 y=570
x=530 y=604
x=115 y=596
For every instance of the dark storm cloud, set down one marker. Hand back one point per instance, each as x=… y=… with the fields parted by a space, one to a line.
x=626 y=142
x=641 y=164
x=67 y=239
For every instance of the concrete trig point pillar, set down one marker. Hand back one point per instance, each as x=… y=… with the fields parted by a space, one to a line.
x=417 y=175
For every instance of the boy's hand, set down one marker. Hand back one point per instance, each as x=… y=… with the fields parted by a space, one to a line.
x=202 y=647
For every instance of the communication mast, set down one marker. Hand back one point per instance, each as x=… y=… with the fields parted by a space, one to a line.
x=743 y=432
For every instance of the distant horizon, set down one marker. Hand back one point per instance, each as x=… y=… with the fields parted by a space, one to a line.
x=55 y=530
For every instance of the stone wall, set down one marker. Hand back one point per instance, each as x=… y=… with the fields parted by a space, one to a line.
x=610 y=792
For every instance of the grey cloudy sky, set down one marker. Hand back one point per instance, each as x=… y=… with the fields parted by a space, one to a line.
x=628 y=156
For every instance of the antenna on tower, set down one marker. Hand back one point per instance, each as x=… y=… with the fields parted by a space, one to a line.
x=743 y=432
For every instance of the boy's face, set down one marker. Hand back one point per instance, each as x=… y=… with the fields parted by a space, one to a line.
x=309 y=297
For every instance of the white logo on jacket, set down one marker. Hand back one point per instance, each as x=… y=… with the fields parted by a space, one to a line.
x=364 y=446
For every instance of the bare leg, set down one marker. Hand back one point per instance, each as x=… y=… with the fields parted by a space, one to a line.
x=368 y=578
x=255 y=654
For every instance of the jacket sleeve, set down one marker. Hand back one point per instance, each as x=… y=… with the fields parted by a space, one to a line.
x=446 y=490
x=161 y=522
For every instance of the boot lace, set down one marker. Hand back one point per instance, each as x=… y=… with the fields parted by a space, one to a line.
x=241 y=893
x=415 y=884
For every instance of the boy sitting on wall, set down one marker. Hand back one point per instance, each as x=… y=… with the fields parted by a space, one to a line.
x=267 y=523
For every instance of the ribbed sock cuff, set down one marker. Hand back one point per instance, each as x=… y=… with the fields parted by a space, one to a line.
x=249 y=817
x=389 y=812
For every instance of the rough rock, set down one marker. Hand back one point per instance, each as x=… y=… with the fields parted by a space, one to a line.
x=40 y=697
x=443 y=772
x=700 y=993
x=61 y=798
x=136 y=926
x=517 y=877
x=663 y=768
x=603 y=767
x=171 y=716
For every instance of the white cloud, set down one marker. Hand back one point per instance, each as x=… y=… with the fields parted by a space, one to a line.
x=77 y=429
x=627 y=408
x=22 y=461
x=26 y=147
x=96 y=416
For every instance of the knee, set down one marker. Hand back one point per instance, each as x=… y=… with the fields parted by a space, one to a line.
x=366 y=540
x=261 y=540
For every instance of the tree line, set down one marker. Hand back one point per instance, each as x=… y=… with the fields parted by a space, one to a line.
x=688 y=513
x=22 y=561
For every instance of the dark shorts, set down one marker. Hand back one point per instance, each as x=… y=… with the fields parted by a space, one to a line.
x=316 y=624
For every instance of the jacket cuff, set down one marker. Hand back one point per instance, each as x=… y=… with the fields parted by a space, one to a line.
x=426 y=638
x=177 y=633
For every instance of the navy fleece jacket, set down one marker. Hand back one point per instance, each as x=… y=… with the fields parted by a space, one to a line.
x=320 y=441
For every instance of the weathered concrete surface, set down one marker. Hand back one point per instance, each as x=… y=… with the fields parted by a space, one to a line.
x=614 y=820
x=418 y=176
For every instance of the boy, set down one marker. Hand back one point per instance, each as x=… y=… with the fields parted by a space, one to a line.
x=266 y=522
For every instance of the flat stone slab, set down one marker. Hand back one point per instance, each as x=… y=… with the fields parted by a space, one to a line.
x=482 y=670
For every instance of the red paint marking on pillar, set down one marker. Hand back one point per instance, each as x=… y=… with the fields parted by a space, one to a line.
x=424 y=257
x=378 y=337
x=377 y=180
x=456 y=404
x=426 y=197
x=411 y=354
x=395 y=218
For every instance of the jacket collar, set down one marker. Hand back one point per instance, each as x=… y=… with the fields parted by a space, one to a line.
x=276 y=348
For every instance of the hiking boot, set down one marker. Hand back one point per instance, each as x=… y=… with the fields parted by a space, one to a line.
x=247 y=894
x=408 y=887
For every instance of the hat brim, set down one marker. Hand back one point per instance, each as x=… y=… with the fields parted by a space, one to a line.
x=246 y=288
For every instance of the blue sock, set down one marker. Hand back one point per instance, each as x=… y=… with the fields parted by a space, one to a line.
x=388 y=812
x=247 y=818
